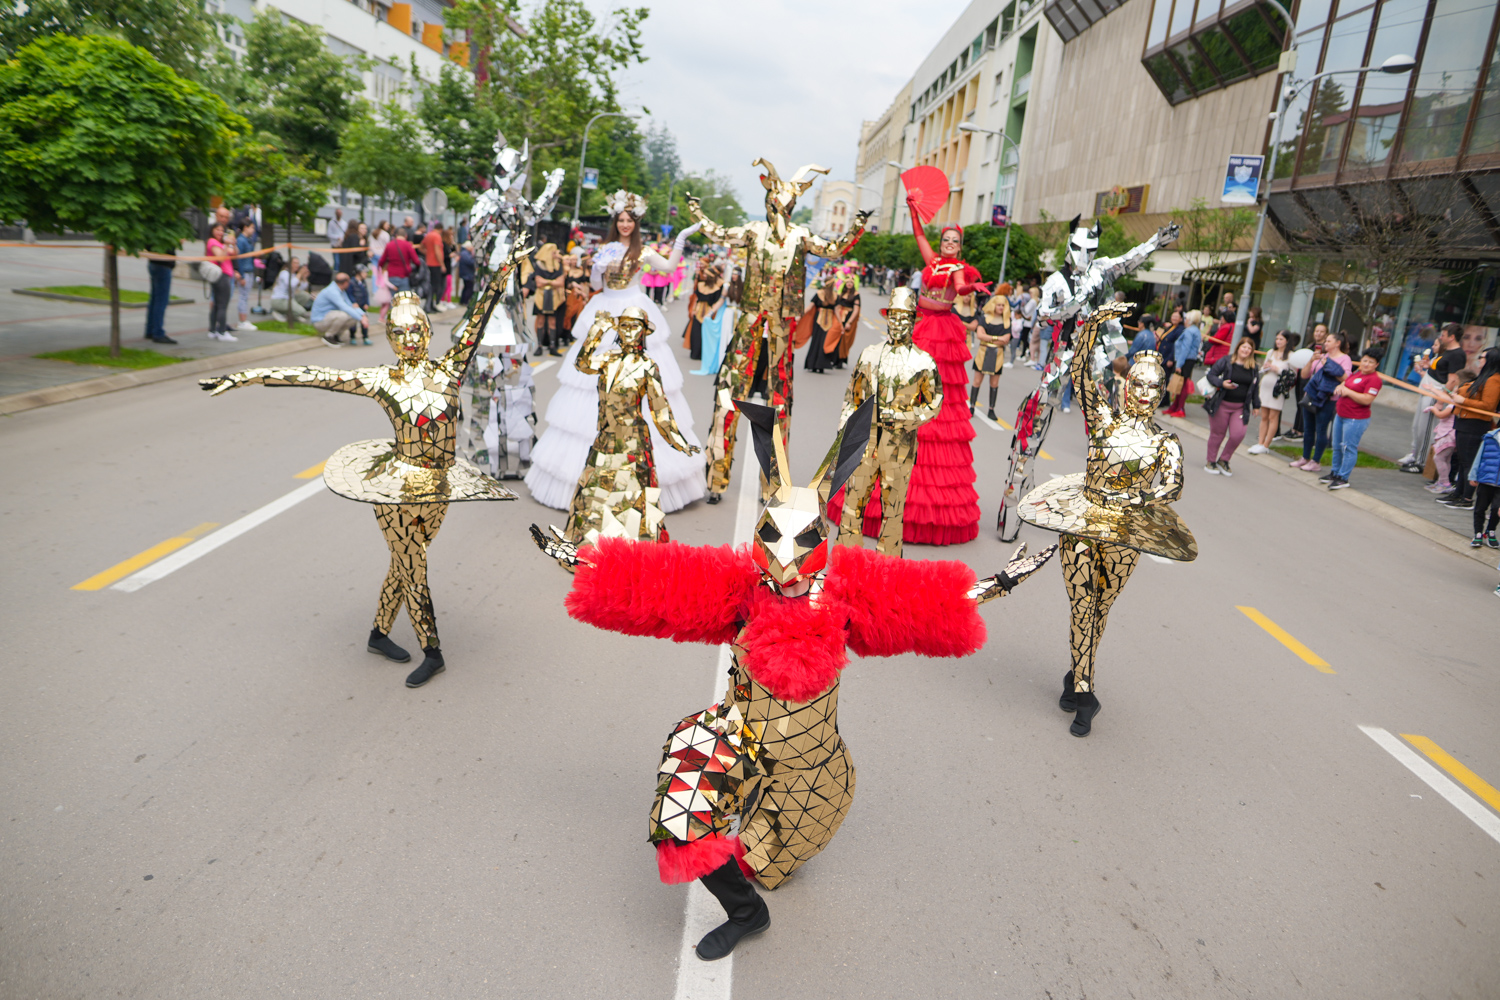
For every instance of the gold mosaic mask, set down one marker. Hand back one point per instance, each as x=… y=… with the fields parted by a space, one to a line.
x=408 y=329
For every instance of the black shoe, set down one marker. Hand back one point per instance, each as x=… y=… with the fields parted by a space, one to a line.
x=1325 y=480
x=382 y=644
x=748 y=913
x=161 y=340
x=538 y=352
x=1411 y=467
x=430 y=668
x=1339 y=483
x=1088 y=707
x=556 y=353
x=1069 y=700
x=992 y=416
x=1476 y=541
x=715 y=497
x=1447 y=498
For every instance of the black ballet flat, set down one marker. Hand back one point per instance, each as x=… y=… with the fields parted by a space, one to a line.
x=1088 y=707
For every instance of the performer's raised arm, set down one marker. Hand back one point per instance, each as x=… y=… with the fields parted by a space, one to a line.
x=586 y=362
x=467 y=342
x=1110 y=268
x=842 y=245
x=359 y=382
x=668 y=264
x=1019 y=568
x=732 y=236
x=1091 y=395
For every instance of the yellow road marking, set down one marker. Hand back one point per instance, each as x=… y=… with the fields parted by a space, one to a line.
x=312 y=473
x=101 y=580
x=1282 y=636
x=1446 y=761
x=1041 y=453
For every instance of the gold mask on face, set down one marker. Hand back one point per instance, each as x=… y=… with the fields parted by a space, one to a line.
x=1144 y=384
x=632 y=328
x=408 y=329
x=781 y=196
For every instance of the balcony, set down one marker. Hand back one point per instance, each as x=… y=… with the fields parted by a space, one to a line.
x=1021 y=88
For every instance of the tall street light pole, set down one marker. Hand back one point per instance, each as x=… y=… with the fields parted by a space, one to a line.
x=583 y=155
x=970 y=127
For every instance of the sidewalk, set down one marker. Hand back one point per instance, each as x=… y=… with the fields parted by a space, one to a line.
x=1389 y=493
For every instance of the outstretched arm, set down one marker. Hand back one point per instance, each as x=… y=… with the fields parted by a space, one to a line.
x=669 y=264
x=842 y=245
x=900 y=606
x=360 y=382
x=543 y=206
x=467 y=342
x=1019 y=568
x=666 y=589
x=1110 y=268
x=719 y=234
x=661 y=412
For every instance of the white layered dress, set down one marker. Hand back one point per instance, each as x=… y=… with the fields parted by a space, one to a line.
x=558 y=459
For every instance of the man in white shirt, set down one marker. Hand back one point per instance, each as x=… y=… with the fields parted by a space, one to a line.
x=337 y=228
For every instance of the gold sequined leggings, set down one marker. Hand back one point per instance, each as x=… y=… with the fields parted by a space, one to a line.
x=408 y=530
x=890 y=462
x=1094 y=573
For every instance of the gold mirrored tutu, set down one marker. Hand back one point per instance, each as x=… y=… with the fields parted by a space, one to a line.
x=1067 y=505
x=372 y=472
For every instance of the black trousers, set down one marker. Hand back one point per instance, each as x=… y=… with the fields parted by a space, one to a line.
x=1467 y=435
x=1486 y=500
x=218 y=314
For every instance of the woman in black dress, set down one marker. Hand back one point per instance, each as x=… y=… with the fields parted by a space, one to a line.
x=708 y=289
x=820 y=325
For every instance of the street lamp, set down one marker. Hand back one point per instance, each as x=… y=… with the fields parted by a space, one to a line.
x=971 y=127
x=1395 y=65
x=578 y=193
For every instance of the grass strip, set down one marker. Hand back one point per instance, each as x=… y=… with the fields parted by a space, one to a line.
x=1365 y=460
x=277 y=326
x=129 y=357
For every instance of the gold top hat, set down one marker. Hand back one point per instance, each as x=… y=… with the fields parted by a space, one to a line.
x=903 y=299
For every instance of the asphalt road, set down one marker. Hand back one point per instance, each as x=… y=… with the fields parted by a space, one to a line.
x=212 y=790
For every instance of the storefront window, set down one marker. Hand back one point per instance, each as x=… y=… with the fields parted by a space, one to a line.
x=1445 y=83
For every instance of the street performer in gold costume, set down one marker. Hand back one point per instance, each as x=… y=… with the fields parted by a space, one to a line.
x=410 y=480
x=1115 y=510
x=770 y=305
x=618 y=496
x=903 y=379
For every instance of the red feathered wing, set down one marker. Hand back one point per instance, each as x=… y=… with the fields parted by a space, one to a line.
x=666 y=589
x=899 y=606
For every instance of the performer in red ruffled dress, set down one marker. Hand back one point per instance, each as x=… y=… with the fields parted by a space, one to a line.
x=942 y=506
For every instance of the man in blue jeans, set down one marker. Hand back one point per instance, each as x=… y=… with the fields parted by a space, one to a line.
x=161 y=293
x=1351 y=415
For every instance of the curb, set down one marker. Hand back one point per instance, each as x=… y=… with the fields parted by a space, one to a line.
x=1387 y=512
x=173 y=301
x=84 y=388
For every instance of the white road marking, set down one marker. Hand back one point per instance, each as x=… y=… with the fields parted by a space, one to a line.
x=228 y=533
x=992 y=425
x=1161 y=559
x=1482 y=817
x=697 y=979
x=542 y=366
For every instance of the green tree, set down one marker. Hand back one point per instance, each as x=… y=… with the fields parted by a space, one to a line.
x=263 y=173
x=720 y=203
x=382 y=156
x=178 y=32
x=462 y=128
x=546 y=83
x=97 y=135
x=290 y=85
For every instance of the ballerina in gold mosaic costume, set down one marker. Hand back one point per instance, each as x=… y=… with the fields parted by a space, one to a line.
x=412 y=478
x=770 y=305
x=1114 y=511
x=756 y=785
x=617 y=494
x=903 y=379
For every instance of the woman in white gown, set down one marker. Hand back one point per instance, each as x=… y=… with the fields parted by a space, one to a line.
x=573 y=415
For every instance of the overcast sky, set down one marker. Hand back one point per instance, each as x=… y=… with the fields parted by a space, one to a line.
x=790 y=81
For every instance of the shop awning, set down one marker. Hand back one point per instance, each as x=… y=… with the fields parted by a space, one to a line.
x=1170 y=267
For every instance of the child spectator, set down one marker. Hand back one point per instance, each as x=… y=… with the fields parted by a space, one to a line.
x=1484 y=477
x=1443 y=442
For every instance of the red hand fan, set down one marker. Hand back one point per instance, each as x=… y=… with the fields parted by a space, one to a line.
x=929 y=187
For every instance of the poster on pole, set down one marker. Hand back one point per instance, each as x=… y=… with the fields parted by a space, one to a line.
x=998 y=218
x=1242 y=179
x=591 y=178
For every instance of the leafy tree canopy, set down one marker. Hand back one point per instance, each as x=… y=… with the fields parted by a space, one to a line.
x=99 y=136
x=263 y=173
x=178 y=32
x=462 y=128
x=383 y=156
x=290 y=85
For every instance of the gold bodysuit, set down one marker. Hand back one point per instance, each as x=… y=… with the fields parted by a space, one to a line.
x=1121 y=505
x=617 y=495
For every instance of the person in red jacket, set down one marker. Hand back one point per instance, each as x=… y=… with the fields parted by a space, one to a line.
x=399 y=261
x=942 y=506
x=756 y=785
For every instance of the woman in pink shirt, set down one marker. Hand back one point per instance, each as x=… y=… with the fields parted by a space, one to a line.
x=218 y=313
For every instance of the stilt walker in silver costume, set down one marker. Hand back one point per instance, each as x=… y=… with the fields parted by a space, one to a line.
x=498 y=390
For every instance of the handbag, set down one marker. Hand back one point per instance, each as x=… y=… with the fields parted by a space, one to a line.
x=210 y=272
x=1174 y=385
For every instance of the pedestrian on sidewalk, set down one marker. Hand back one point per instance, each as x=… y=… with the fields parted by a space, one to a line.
x=359 y=294
x=356 y=244
x=1323 y=373
x=336 y=229
x=466 y=272
x=223 y=284
x=161 y=290
x=1443 y=443
x=1352 y=399
x=1438 y=370
x=398 y=261
x=1484 y=477
x=1274 y=384
x=1185 y=357
x=1471 y=423
x=378 y=240
x=1315 y=342
x=1229 y=407
x=333 y=313
x=244 y=272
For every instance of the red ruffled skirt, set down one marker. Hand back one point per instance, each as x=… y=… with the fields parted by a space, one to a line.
x=942 y=506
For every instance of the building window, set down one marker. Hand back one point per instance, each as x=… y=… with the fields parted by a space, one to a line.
x=1445 y=84
x=1225 y=46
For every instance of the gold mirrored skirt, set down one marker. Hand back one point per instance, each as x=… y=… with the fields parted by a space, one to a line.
x=1065 y=505
x=372 y=472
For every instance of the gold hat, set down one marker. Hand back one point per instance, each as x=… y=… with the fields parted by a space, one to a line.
x=903 y=299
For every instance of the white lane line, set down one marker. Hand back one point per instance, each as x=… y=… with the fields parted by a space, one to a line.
x=992 y=425
x=1460 y=800
x=228 y=533
x=542 y=366
x=697 y=979
x=1161 y=559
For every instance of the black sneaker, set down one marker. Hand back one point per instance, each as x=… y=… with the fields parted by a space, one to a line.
x=1325 y=480
x=1476 y=542
x=161 y=340
x=1411 y=467
x=431 y=666
x=1339 y=484
x=1466 y=504
x=1446 y=498
x=382 y=644
x=1491 y=540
